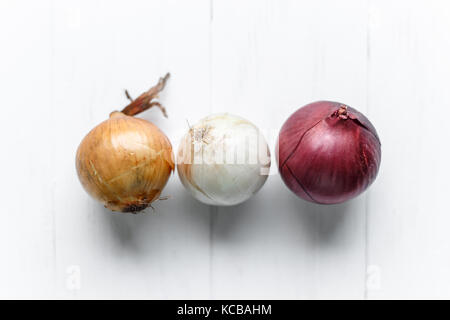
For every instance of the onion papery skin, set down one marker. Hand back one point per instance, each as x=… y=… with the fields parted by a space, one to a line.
x=208 y=168
x=125 y=162
x=328 y=152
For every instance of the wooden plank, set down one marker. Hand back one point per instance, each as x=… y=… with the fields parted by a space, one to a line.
x=26 y=230
x=101 y=48
x=64 y=66
x=268 y=59
x=408 y=102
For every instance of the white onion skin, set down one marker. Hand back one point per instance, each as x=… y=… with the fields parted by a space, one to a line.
x=124 y=162
x=223 y=160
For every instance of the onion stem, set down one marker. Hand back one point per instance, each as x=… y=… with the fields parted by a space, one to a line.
x=145 y=100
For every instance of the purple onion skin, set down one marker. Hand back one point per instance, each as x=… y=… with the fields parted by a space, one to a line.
x=328 y=153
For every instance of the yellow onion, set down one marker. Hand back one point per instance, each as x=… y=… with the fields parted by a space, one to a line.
x=125 y=162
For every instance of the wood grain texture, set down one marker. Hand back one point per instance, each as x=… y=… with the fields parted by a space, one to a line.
x=409 y=242
x=112 y=47
x=27 y=231
x=282 y=55
x=64 y=68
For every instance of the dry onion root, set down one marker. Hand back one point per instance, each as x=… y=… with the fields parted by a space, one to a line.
x=125 y=162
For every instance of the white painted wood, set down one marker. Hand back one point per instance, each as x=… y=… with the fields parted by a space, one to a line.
x=63 y=68
x=269 y=59
x=112 y=46
x=409 y=239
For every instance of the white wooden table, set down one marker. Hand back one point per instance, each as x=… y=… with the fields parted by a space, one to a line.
x=63 y=68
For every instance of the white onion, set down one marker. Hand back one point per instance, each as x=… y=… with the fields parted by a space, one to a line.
x=223 y=160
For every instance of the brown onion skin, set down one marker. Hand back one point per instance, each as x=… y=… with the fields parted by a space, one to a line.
x=328 y=152
x=125 y=162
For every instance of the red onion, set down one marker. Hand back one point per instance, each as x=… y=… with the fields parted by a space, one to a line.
x=328 y=152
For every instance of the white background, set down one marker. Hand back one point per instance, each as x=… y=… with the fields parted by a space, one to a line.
x=64 y=66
